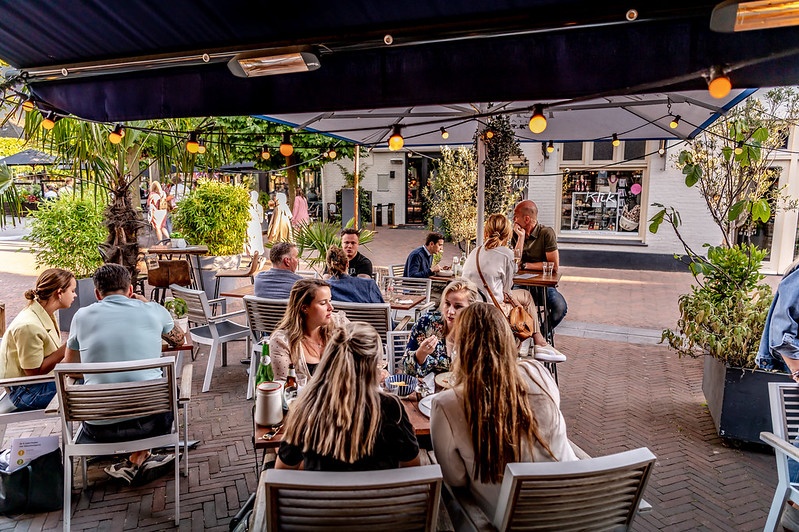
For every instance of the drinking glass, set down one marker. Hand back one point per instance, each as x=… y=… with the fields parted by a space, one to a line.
x=302 y=380
x=549 y=268
x=517 y=256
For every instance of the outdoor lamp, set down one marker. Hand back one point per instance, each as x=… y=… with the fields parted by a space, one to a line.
x=674 y=122
x=737 y=15
x=444 y=133
x=719 y=85
x=265 y=152
x=286 y=148
x=489 y=134
x=739 y=148
x=49 y=121
x=192 y=146
x=201 y=146
x=662 y=148
x=396 y=142
x=272 y=62
x=538 y=123
x=616 y=140
x=550 y=147
x=27 y=105
x=116 y=136
x=332 y=153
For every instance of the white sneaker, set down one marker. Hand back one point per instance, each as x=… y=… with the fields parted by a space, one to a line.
x=547 y=353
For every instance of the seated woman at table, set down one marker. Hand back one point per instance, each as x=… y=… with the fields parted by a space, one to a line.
x=498 y=268
x=346 y=288
x=428 y=349
x=356 y=427
x=500 y=410
x=301 y=336
x=32 y=344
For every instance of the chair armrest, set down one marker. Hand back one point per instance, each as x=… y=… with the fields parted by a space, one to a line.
x=24 y=381
x=464 y=511
x=53 y=406
x=402 y=324
x=216 y=301
x=427 y=306
x=223 y=317
x=780 y=445
x=185 y=384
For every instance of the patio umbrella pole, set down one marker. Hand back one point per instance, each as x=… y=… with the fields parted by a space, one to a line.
x=355 y=195
x=481 y=188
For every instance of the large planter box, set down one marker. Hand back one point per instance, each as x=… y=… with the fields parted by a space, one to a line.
x=85 y=297
x=738 y=399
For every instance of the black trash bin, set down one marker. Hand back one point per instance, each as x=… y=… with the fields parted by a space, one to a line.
x=390 y=214
x=379 y=214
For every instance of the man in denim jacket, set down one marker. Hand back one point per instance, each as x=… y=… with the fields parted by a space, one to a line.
x=779 y=346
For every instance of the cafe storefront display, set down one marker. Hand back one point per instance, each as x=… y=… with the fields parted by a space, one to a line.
x=606 y=201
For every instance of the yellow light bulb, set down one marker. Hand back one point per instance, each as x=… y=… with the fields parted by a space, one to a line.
x=444 y=134
x=115 y=137
x=396 y=142
x=739 y=148
x=489 y=134
x=615 y=140
x=332 y=154
x=674 y=122
x=538 y=123
x=27 y=105
x=286 y=150
x=550 y=147
x=265 y=155
x=48 y=123
x=201 y=149
x=192 y=146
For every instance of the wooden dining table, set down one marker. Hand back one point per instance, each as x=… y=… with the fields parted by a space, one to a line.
x=192 y=252
x=404 y=303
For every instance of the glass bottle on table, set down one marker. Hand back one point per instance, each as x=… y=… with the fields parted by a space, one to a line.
x=265 y=372
x=290 y=389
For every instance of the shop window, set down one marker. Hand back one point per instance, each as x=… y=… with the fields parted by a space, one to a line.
x=634 y=149
x=603 y=150
x=759 y=233
x=602 y=201
x=573 y=151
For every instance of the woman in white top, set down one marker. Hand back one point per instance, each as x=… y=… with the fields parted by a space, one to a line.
x=255 y=237
x=157 y=214
x=498 y=267
x=500 y=411
x=305 y=329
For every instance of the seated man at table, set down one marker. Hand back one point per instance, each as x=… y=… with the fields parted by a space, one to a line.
x=346 y=288
x=420 y=262
x=359 y=266
x=276 y=283
x=538 y=244
x=122 y=327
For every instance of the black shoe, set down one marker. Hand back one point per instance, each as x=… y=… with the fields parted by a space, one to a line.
x=156 y=465
x=125 y=471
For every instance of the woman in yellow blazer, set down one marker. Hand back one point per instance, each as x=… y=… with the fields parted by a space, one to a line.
x=32 y=344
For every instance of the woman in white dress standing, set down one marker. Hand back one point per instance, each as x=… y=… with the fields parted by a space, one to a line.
x=157 y=214
x=255 y=239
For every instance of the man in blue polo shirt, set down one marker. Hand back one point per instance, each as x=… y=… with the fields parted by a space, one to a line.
x=277 y=282
x=420 y=261
x=121 y=327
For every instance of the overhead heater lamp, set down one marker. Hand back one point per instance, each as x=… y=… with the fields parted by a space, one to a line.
x=732 y=15
x=264 y=63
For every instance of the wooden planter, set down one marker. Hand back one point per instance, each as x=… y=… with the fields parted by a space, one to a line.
x=738 y=399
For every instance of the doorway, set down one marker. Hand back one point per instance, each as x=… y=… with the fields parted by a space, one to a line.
x=419 y=176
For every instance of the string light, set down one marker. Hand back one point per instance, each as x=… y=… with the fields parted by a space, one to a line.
x=201 y=146
x=116 y=135
x=662 y=148
x=444 y=134
x=332 y=153
x=550 y=147
x=675 y=121
x=489 y=134
x=192 y=146
x=49 y=121
x=739 y=148
x=615 y=141
x=538 y=123
x=395 y=141
x=27 y=105
x=286 y=148
x=719 y=84
x=265 y=152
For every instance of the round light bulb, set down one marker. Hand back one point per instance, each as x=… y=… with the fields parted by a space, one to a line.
x=265 y=155
x=192 y=146
x=550 y=147
x=332 y=154
x=201 y=148
x=286 y=149
x=396 y=142
x=615 y=141
x=674 y=122
x=720 y=86
x=489 y=134
x=48 y=123
x=27 y=105
x=115 y=137
x=538 y=123
x=739 y=148
x=444 y=134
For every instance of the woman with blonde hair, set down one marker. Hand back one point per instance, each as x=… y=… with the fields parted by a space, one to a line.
x=342 y=421
x=498 y=268
x=32 y=344
x=158 y=210
x=500 y=410
x=306 y=327
x=429 y=346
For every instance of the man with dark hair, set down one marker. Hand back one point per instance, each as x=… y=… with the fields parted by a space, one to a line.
x=122 y=327
x=359 y=265
x=276 y=283
x=420 y=262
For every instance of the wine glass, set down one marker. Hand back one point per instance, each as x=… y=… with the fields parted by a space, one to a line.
x=517 y=256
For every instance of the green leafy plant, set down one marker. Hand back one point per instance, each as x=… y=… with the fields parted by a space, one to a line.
x=9 y=197
x=216 y=215
x=177 y=307
x=67 y=232
x=453 y=196
x=314 y=239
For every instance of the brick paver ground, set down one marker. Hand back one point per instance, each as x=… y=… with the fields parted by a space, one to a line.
x=616 y=396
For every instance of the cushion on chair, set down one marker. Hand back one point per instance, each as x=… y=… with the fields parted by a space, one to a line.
x=224 y=328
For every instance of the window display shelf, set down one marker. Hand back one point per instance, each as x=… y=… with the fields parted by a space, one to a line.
x=595 y=211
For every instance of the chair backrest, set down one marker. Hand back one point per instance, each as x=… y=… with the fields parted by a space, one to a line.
x=94 y=402
x=409 y=286
x=378 y=315
x=263 y=315
x=400 y=499
x=196 y=301
x=307 y=274
x=598 y=493
x=396 y=270
x=395 y=348
x=784 y=399
x=255 y=263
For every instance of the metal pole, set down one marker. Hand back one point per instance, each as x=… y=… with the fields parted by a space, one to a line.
x=481 y=188
x=355 y=195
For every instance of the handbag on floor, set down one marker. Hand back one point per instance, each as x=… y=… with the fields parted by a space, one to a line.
x=37 y=487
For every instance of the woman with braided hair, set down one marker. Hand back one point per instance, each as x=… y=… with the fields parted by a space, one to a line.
x=342 y=421
x=32 y=344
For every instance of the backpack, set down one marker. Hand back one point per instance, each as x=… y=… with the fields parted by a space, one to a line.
x=163 y=203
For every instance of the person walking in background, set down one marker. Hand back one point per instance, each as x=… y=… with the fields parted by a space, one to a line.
x=420 y=261
x=500 y=411
x=299 y=214
x=538 y=244
x=357 y=427
x=346 y=288
x=255 y=237
x=157 y=206
x=32 y=344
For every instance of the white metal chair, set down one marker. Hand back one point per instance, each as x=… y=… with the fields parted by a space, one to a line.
x=395 y=349
x=409 y=287
x=94 y=402
x=378 y=315
x=396 y=270
x=214 y=331
x=784 y=398
x=400 y=499
x=263 y=315
x=596 y=494
x=8 y=412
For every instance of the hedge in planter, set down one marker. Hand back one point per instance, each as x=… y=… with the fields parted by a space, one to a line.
x=215 y=214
